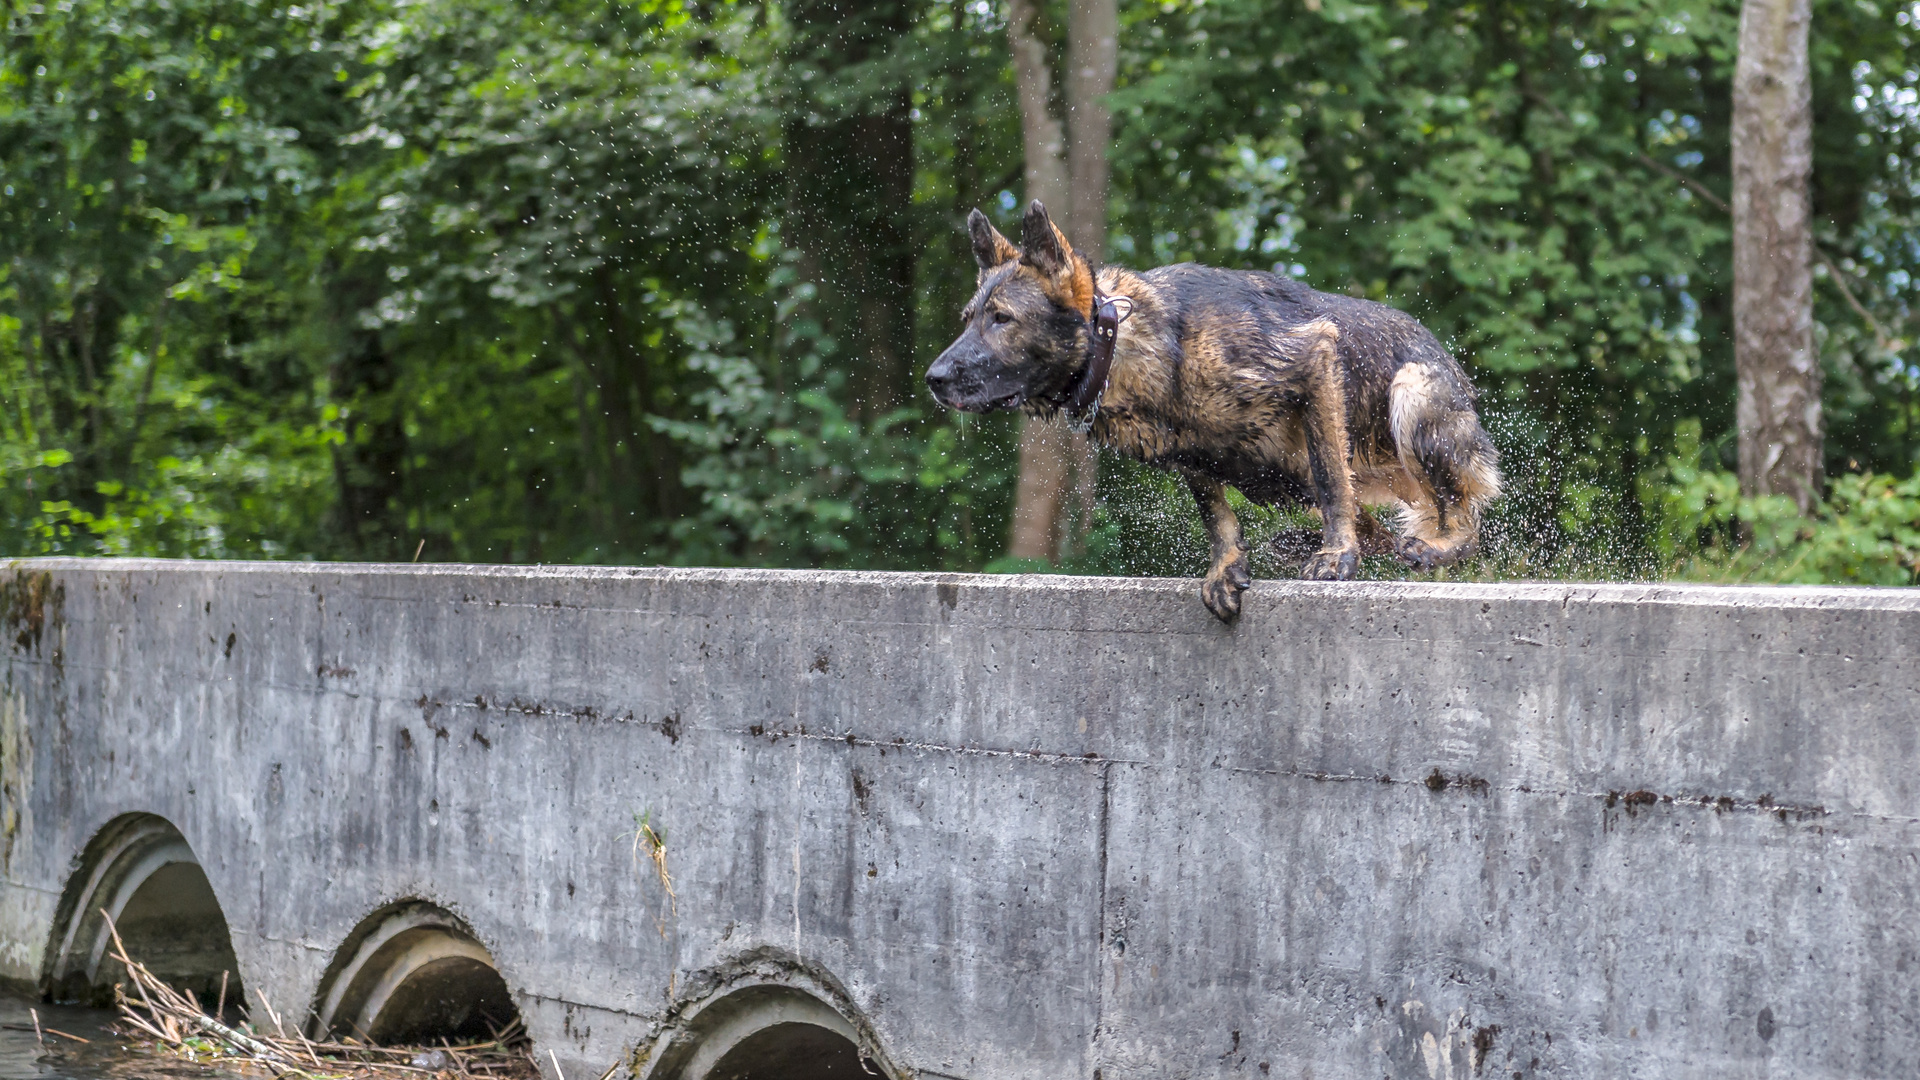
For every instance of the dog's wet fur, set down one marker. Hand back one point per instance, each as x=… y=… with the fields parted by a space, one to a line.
x=1243 y=379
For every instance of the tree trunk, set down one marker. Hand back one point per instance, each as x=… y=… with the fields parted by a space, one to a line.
x=850 y=169
x=1093 y=55
x=886 y=257
x=1778 y=410
x=1042 y=484
x=368 y=464
x=1071 y=178
x=1093 y=58
x=630 y=481
x=1042 y=135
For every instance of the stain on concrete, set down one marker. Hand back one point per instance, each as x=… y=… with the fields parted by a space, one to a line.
x=1642 y=799
x=1483 y=1045
x=16 y=772
x=1438 y=781
x=862 y=792
x=29 y=602
x=525 y=707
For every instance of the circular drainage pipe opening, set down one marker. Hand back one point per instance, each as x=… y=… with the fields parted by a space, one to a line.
x=414 y=974
x=796 y=1051
x=766 y=1031
x=143 y=874
x=454 y=998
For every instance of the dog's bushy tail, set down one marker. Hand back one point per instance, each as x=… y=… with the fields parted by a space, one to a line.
x=1439 y=438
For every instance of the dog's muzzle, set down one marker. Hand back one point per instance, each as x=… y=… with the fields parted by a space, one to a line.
x=958 y=382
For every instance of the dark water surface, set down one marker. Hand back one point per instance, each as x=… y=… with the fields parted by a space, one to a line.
x=104 y=1056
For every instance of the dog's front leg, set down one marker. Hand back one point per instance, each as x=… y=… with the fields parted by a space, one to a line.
x=1330 y=458
x=1228 y=577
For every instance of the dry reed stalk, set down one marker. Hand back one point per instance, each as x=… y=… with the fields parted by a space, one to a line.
x=64 y=1035
x=177 y=1023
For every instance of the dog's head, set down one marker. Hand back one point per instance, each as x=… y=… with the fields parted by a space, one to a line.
x=1027 y=326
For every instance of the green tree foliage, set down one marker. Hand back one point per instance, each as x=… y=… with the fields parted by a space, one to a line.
x=654 y=281
x=158 y=163
x=1868 y=533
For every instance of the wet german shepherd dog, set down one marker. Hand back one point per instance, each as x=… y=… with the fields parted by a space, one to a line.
x=1237 y=378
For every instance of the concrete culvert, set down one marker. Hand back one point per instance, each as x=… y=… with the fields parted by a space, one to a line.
x=143 y=874
x=790 y=1052
x=448 y=997
x=765 y=1032
x=414 y=974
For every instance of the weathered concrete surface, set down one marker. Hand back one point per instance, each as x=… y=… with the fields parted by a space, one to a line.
x=1030 y=827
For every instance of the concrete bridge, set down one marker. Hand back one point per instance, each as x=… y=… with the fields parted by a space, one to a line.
x=701 y=824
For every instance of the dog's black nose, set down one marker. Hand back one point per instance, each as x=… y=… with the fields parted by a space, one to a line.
x=940 y=375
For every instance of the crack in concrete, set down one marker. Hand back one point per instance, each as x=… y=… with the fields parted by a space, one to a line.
x=572 y=1004
x=941 y=748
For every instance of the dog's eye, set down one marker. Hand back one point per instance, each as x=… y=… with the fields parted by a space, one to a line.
x=1001 y=318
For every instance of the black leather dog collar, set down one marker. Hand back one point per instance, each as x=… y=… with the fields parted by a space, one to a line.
x=1083 y=399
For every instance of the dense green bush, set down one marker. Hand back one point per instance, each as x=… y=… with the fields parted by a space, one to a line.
x=1867 y=533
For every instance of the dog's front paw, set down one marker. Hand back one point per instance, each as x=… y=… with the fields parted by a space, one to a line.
x=1418 y=554
x=1331 y=566
x=1222 y=588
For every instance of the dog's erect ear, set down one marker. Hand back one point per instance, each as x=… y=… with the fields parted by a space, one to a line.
x=1067 y=278
x=1042 y=246
x=990 y=249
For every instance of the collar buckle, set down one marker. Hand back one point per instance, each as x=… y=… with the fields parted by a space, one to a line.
x=1083 y=400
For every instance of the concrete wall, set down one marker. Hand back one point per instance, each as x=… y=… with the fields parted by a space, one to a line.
x=1021 y=827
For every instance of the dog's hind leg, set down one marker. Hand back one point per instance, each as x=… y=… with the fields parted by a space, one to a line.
x=1228 y=577
x=1375 y=538
x=1431 y=537
x=1452 y=470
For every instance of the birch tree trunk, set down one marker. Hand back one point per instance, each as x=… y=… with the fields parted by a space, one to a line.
x=1093 y=39
x=1093 y=55
x=1066 y=168
x=1045 y=454
x=1043 y=137
x=1778 y=410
